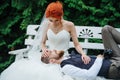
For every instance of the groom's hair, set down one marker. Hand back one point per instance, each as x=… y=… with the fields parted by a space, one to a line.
x=45 y=59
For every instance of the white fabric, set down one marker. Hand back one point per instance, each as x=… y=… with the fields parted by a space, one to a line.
x=84 y=73
x=39 y=35
x=59 y=41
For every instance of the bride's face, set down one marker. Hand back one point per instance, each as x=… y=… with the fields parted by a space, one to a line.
x=55 y=21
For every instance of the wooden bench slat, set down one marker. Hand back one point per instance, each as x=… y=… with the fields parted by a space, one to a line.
x=29 y=42
x=31 y=29
x=89 y=45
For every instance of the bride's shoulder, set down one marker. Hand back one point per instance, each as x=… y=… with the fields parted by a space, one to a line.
x=69 y=24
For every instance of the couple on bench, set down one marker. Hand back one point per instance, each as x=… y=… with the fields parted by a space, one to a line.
x=58 y=32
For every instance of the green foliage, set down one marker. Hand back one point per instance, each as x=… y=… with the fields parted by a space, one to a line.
x=15 y=15
x=93 y=12
x=6 y=63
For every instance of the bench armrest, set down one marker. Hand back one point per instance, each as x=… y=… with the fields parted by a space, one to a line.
x=20 y=51
x=19 y=54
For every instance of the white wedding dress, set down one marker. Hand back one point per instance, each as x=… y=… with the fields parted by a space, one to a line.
x=33 y=69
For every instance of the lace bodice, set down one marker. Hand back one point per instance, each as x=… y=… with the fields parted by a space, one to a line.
x=59 y=41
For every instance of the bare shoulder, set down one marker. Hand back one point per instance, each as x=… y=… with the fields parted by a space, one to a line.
x=69 y=24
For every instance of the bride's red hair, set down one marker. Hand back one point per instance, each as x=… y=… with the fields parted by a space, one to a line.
x=54 y=9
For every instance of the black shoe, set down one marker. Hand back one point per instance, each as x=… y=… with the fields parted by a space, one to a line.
x=118 y=68
x=107 y=53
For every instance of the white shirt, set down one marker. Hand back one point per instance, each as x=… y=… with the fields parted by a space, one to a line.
x=76 y=72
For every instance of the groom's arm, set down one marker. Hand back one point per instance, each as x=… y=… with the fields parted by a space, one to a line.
x=78 y=72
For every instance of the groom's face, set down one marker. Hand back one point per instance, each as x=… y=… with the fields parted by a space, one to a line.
x=55 y=54
x=52 y=55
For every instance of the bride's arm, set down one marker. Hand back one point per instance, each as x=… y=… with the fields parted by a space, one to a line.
x=78 y=47
x=43 y=42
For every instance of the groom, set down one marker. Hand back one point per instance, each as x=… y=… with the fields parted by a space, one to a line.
x=74 y=66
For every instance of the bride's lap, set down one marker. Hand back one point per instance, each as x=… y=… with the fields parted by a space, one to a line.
x=32 y=69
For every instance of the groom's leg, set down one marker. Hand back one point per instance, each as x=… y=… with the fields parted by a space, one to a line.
x=111 y=39
x=114 y=72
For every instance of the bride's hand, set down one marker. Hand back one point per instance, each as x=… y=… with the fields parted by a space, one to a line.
x=45 y=52
x=86 y=59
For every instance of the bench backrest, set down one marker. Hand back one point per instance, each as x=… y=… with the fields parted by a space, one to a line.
x=86 y=33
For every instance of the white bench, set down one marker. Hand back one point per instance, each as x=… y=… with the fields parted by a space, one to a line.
x=83 y=32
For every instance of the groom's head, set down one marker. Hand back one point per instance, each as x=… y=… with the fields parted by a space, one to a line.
x=53 y=56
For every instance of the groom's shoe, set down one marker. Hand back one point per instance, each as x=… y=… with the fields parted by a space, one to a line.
x=119 y=67
x=107 y=53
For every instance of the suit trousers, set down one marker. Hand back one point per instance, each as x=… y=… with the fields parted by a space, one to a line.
x=111 y=39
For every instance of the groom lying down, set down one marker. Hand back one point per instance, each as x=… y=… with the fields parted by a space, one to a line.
x=74 y=66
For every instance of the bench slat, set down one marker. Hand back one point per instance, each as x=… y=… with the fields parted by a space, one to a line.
x=31 y=29
x=89 y=45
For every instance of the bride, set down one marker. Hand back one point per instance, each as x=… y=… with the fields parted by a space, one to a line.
x=58 y=33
